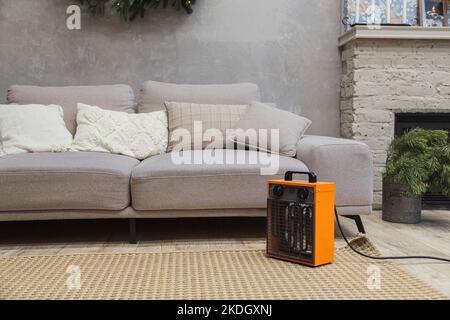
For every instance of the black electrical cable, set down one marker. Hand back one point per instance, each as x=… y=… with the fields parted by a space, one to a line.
x=381 y=257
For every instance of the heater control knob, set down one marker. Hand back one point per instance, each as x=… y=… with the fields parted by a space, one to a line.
x=278 y=191
x=302 y=193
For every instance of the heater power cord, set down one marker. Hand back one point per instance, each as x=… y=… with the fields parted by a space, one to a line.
x=381 y=257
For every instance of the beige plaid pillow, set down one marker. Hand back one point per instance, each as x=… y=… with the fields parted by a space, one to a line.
x=196 y=126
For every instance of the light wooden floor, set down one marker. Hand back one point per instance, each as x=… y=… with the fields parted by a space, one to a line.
x=431 y=237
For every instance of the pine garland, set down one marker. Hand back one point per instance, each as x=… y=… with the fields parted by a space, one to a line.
x=420 y=161
x=128 y=10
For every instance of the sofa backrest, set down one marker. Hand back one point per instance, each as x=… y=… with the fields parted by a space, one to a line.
x=112 y=97
x=153 y=94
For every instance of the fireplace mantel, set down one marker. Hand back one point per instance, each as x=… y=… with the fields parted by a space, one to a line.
x=387 y=72
x=395 y=33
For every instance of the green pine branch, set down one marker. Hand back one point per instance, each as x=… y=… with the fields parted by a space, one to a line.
x=128 y=10
x=420 y=161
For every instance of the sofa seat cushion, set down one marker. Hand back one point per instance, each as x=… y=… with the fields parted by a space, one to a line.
x=158 y=183
x=64 y=181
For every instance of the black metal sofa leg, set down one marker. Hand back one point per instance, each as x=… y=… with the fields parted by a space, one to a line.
x=132 y=231
x=358 y=222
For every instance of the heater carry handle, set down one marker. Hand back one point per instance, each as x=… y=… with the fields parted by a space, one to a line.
x=311 y=175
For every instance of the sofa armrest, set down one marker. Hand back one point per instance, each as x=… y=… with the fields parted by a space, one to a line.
x=347 y=163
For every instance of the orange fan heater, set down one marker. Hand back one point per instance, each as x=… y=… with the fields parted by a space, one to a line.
x=300 y=220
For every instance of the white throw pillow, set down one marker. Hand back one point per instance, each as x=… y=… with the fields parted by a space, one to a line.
x=33 y=128
x=139 y=135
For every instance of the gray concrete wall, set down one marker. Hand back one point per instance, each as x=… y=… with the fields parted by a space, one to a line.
x=288 y=47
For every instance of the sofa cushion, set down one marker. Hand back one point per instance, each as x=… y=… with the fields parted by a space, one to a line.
x=260 y=116
x=153 y=94
x=158 y=183
x=112 y=97
x=210 y=118
x=70 y=180
x=33 y=128
x=135 y=135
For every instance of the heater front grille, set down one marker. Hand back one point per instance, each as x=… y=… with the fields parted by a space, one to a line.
x=291 y=229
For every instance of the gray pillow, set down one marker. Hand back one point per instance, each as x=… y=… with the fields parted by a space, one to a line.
x=262 y=116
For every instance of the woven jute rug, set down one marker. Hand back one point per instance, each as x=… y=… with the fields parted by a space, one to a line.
x=206 y=274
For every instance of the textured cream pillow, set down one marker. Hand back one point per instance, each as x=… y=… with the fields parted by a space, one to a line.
x=33 y=128
x=213 y=118
x=138 y=135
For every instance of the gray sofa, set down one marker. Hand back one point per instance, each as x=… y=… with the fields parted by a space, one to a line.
x=90 y=185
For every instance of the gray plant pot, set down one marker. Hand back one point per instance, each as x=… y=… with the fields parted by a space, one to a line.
x=397 y=206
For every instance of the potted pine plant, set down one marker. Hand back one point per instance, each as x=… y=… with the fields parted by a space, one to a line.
x=418 y=161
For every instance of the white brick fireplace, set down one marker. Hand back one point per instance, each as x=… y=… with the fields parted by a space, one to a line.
x=387 y=71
